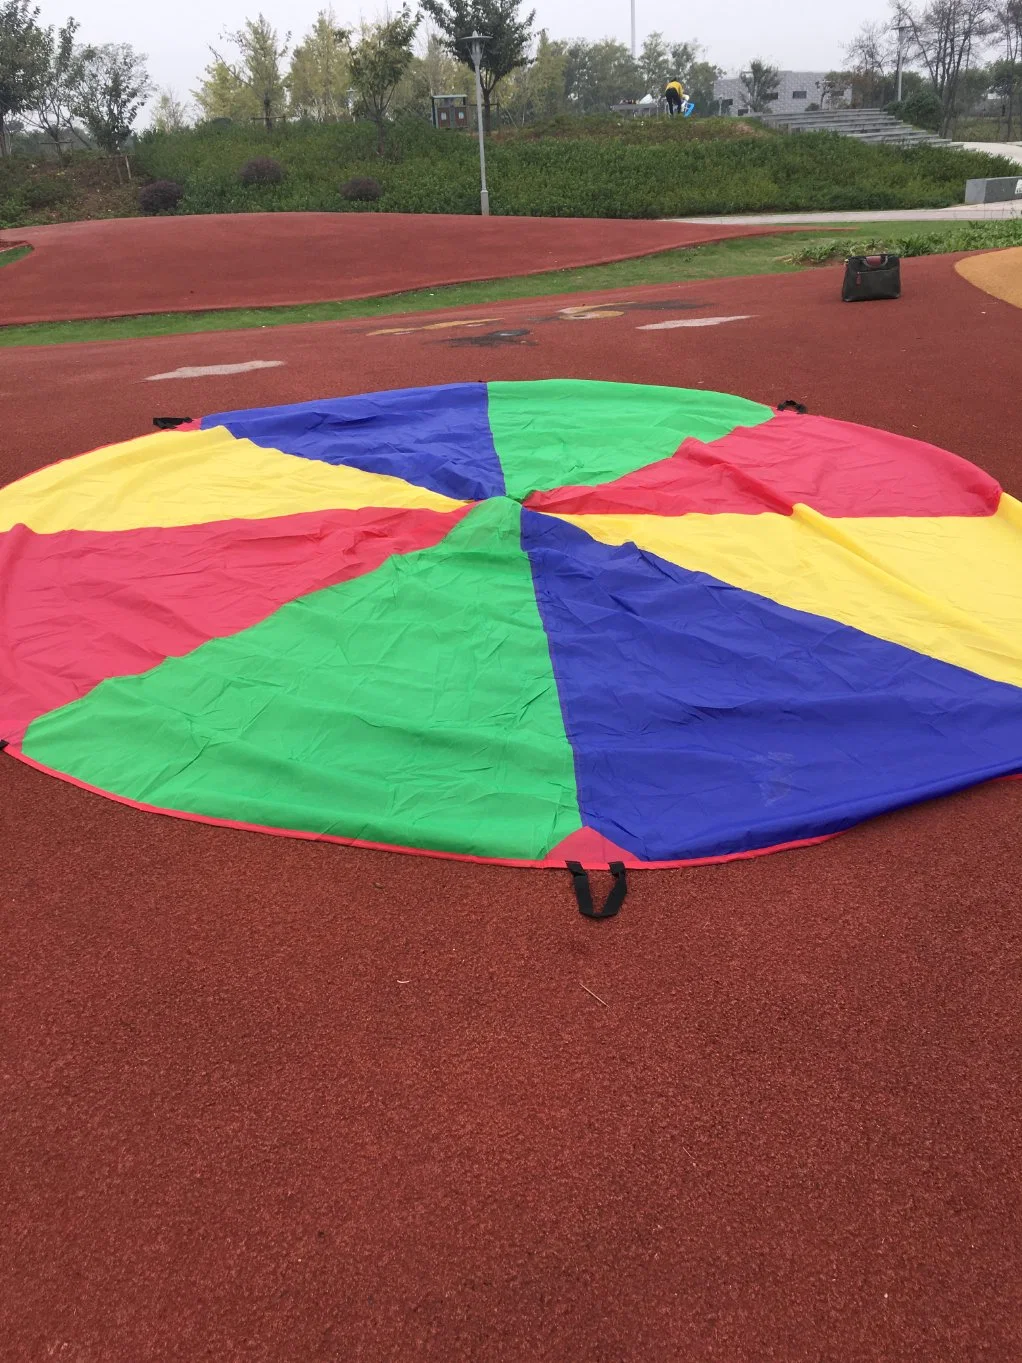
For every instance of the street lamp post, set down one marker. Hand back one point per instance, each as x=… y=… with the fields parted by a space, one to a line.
x=476 y=44
x=633 y=30
x=903 y=31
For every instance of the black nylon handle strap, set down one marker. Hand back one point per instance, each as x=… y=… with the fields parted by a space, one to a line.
x=584 y=893
x=168 y=423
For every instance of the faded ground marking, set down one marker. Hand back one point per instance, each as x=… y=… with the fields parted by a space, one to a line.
x=691 y=322
x=202 y=371
x=437 y=326
x=590 y=311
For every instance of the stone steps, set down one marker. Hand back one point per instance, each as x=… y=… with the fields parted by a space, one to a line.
x=866 y=125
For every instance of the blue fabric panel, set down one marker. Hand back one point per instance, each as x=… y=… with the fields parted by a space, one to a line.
x=434 y=437
x=707 y=720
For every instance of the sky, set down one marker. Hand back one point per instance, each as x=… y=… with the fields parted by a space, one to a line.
x=798 y=35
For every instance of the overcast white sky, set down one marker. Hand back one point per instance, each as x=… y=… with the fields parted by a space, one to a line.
x=793 y=34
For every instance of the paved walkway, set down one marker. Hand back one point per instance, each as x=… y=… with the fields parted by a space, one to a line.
x=1011 y=150
x=962 y=213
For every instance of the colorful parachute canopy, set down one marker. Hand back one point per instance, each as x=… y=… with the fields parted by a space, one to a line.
x=528 y=622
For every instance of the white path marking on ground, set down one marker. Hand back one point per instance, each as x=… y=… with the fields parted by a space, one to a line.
x=691 y=322
x=203 y=371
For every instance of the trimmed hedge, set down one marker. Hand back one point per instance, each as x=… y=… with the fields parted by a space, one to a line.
x=605 y=169
x=162 y=196
x=361 y=189
x=261 y=170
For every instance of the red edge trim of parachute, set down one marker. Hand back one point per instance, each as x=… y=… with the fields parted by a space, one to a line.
x=550 y=861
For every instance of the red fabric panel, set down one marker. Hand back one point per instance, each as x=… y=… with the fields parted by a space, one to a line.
x=836 y=468
x=84 y=605
x=592 y=849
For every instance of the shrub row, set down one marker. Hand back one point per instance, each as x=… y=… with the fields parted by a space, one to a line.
x=966 y=236
x=619 y=172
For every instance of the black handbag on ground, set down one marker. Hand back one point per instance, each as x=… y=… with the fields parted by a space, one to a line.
x=868 y=277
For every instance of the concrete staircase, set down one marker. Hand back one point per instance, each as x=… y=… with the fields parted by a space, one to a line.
x=868 y=125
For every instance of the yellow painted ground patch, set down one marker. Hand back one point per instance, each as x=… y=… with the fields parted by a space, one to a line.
x=998 y=273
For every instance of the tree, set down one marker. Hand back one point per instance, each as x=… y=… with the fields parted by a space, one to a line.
x=761 y=83
x=223 y=93
x=23 y=61
x=55 y=97
x=700 y=80
x=112 y=85
x=873 y=58
x=537 y=91
x=252 y=87
x=944 y=37
x=683 y=57
x=319 y=81
x=1006 y=74
x=597 y=75
x=509 y=33
x=655 y=64
x=698 y=77
x=1005 y=82
x=835 y=89
x=170 y=115
x=433 y=72
x=378 y=60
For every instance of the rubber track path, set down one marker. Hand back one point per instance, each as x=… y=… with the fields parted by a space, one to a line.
x=267 y=1101
x=130 y=266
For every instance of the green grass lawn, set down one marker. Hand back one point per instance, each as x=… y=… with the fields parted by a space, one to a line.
x=740 y=256
x=12 y=254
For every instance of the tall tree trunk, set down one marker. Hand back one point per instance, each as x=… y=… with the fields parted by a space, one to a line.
x=3 y=135
x=267 y=114
x=380 y=135
x=486 y=111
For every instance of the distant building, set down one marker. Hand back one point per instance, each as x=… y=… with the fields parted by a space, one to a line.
x=796 y=91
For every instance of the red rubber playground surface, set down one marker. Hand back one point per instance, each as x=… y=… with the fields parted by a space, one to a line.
x=129 y=266
x=274 y=1100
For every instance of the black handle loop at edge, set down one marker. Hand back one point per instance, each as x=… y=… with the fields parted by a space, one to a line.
x=584 y=893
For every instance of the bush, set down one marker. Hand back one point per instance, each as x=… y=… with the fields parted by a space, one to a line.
x=12 y=211
x=47 y=193
x=162 y=196
x=261 y=170
x=922 y=109
x=361 y=189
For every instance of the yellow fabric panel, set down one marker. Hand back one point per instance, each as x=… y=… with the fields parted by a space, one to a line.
x=190 y=477
x=999 y=273
x=948 y=586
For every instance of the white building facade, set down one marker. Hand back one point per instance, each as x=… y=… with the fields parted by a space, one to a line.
x=796 y=92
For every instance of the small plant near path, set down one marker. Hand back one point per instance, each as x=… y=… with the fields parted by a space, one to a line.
x=945 y=240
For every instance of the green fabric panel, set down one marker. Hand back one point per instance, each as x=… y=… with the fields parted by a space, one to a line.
x=414 y=706
x=562 y=432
